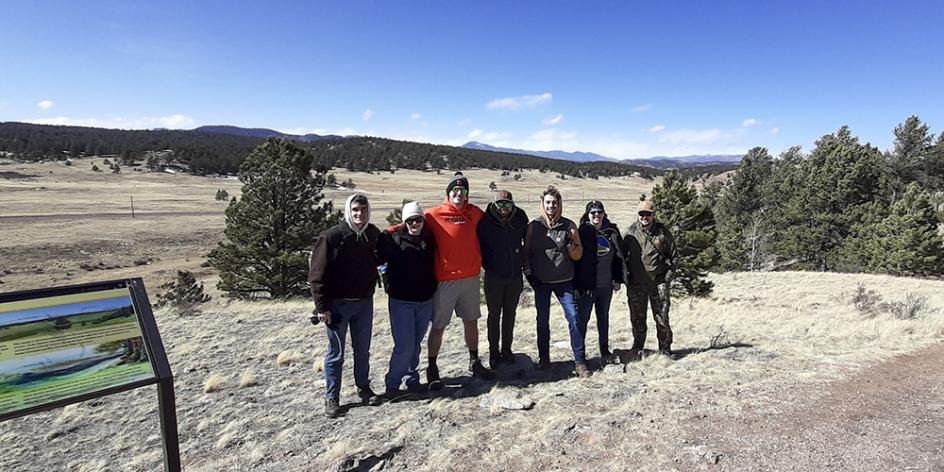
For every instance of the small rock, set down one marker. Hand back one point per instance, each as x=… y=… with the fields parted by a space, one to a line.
x=703 y=453
x=562 y=345
x=506 y=399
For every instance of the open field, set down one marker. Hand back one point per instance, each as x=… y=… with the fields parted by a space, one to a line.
x=766 y=358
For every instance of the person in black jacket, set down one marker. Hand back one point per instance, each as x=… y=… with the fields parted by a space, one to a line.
x=599 y=272
x=408 y=249
x=501 y=238
x=343 y=274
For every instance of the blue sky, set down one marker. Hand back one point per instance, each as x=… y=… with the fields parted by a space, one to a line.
x=624 y=79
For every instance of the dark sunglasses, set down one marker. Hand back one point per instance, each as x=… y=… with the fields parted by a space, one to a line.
x=596 y=212
x=504 y=204
x=415 y=221
x=645 y=213
x=460 y=190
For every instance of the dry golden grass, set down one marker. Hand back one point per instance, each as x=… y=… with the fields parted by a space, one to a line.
x=214 y=383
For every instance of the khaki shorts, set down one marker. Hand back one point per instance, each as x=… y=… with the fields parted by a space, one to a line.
x=461 y=296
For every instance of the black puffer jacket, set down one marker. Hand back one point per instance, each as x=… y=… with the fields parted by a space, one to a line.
x=502 y=242
x=343 y=265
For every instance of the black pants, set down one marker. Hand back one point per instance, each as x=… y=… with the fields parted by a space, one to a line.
x=501 y=300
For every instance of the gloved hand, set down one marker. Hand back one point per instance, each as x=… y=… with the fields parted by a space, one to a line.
x=616 y=286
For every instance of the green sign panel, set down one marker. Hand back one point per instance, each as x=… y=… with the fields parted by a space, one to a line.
x=64 y=346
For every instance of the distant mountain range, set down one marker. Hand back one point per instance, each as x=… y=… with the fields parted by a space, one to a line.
x=263 y=133
x=659 y=162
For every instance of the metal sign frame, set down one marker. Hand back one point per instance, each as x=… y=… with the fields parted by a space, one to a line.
x=163 y=377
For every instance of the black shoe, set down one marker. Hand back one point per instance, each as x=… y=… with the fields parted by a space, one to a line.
x=544 y=364
x=479 y=370
x=580 y=368
x=368 y=397
x=416 y=388
x=668 y=353
x=508 y=357
x=494 y=360
x=332 y=408
x=432 y=377
x=394 y=394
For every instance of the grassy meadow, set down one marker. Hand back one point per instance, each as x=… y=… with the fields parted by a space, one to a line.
x=249 y=374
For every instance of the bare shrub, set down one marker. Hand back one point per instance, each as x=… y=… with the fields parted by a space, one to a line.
x=911 y=307
x=722 y=339
x=287 y=358
x=866 y=301
x=213 y=384
x=247 y=379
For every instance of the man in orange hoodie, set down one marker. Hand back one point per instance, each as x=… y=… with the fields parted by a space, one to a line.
x=457 y=267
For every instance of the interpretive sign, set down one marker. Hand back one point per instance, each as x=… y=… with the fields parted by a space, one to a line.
x=68 y=344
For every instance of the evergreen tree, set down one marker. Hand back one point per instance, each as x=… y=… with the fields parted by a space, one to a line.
x=822 y=196
x=183 y=293
x=741 y=213
x=396 y=215
x=902 y=241
x=272 y=226
x=690 y=219
x=906 y=163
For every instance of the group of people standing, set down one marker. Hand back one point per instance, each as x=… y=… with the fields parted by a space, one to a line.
x=433 y=261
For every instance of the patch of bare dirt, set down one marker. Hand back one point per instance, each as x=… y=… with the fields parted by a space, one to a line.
x=887 y=417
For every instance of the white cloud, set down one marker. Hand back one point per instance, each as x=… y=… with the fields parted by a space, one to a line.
x=775 y=131
x=712 y=136
x=656 y=129
x=367 y=115
x=464 y=122
x=749 y=122
x=641 y=108
x=475 y=133
x=46 y=104
x=146 y=122
x=415 y=116
x=517 y=103
x=552 y=120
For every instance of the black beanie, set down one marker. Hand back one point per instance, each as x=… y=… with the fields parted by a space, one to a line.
x=457 y=180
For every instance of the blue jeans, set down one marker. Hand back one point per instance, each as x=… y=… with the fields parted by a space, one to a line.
x=599 y=298
x=409 y=322
x=542 y=303
x=358 y=315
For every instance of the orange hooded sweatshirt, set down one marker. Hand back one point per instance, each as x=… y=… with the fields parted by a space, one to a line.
x=457 y=242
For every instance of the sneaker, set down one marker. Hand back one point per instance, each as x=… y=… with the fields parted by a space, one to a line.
x=479 y=370
x=393 y=394
x=580 y=368
x=544 y=364
x=416 y=388
x=332 y=408
x=609 y=357
x=432 y=377
x=668 y=353
x=368 y=397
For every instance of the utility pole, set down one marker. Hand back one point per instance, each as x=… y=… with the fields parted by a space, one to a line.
x=132 y=206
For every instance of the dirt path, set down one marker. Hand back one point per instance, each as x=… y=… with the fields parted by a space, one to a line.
x=108 y=216
x=887 y=417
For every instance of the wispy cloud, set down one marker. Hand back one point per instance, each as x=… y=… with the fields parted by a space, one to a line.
x=774 y=130
x=518 y=103
x=46 y=104
x=415 y=116
x=146 y=122
x=694 y=136
x=495 y=138
x=464 y=122
x=367 y=115
x=656 y=129
x=552 y=120
x=750 y=122
x=641 y=108
x=475 y=133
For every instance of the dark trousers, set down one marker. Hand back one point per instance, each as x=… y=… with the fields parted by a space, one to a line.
x=599 y=300
x=542 y=304
x=501 y=300
x=356 y=316
x=657 y=297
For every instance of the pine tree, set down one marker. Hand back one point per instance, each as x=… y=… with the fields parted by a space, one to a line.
x=902 y=241
x=275 y=222
x=690 y=219
x=183 y=293
x=906 y=163
x=822 y=196
x=742 y=213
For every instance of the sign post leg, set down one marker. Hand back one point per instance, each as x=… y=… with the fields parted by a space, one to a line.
x=167 y=405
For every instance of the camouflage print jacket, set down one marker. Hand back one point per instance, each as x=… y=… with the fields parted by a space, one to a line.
x=649 y=255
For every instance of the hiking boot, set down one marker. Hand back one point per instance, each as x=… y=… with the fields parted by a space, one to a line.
x=393 y=394
x=667 y=353
x=544 y=364
x=479 y=370
x=332 y=408
x=432 y=378
x=580 y=368
x=416 y=388
x=368 y=397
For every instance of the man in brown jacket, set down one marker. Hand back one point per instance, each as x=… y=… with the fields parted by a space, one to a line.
x=650 y=253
